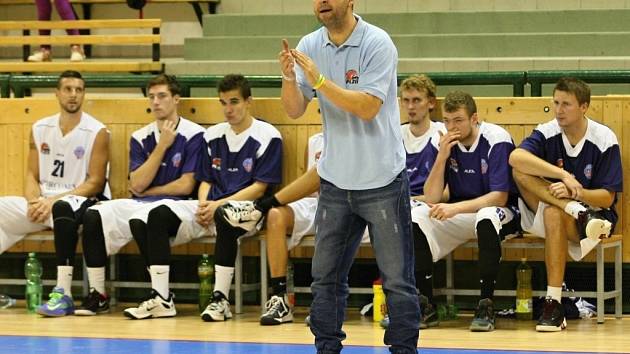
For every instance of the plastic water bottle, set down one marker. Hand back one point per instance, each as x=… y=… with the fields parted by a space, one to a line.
x=524 y=291
x=290 y=285
x=33 y=273
x=6 y=301
x=380 y=306
x=205 y=270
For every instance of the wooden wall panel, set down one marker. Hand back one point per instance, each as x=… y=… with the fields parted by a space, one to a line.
x=518 y=115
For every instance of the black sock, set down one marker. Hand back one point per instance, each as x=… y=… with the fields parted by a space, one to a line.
x=489 y=257
x=278 y=285
x=265 y=203
x=424 y=263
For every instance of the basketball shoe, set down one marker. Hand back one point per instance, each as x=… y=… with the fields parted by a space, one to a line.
x=59 y=304
x=155 y=306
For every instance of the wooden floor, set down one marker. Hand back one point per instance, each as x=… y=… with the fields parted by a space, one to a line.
x=581 y=335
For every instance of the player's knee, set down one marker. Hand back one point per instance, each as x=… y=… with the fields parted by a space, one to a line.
x=137 y=227
x=91 y=218
x=158 y=213
x=553 y=216
x=62 y=209
x=275 y=218
x=494 y=215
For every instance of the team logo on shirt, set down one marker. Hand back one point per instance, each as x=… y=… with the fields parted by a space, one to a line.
x=79 y=151
x=454 y=165
x=216 y=163
x=248 y=164
x=484 y=166
x=501 y=214
x=352 y=77
x=588 y=171
x=44 y=148
x=560 y=163
x=176 y=160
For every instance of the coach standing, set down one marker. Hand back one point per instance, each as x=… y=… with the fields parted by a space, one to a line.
x=351 y=66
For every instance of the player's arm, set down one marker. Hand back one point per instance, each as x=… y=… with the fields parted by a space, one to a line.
x=360 y=104
x=206 y=208
x=434 y=187
x=491 y=199
x=182 y=186
x=251 y=192
x=204 y=190
x=140 y=178
x=291 y=96
x=600 y=198
x=530 y=164
x=303 y=186
x=31 y=185
x=97 y=170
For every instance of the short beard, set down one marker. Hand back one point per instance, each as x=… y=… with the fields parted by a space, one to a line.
x=65 y=108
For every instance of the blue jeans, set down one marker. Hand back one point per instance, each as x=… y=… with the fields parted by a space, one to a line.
x=342 y=216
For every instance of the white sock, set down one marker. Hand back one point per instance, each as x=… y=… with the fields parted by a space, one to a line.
x=574 y=208
x=64 y=279
x=223 y=279
x=159 y=279
x=96 y=279
x=554 y=292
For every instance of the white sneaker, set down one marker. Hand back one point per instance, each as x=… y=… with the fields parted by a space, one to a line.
x=77 y=56
x=155 y=306
x=277 y=311
x=242 y=214
x=39 y=56
x=217 y=310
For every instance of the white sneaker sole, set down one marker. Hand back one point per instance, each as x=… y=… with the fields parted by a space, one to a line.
x=597 y=229
x=147 y=315
x=277 y=321
x=542 y=328
x=88 y=312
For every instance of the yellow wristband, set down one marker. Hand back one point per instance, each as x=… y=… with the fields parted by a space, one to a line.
x=320 y=82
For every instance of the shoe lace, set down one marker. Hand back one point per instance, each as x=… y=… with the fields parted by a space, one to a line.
x=548 y=308
x=244 y=211
x=216 y=305
x=148 y=303
x=55 y=298
x=273 y=305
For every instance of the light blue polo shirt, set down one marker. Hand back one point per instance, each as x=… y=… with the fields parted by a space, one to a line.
x=357 y=155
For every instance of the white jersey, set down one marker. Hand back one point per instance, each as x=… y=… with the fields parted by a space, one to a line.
x=315 y=146
x=64 y=160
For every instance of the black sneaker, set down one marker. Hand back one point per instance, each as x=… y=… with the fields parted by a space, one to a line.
x=277 y=311
x=552 y=318
x=484 y=317
x=591 y=224
x=429 y=317
x=93 y=304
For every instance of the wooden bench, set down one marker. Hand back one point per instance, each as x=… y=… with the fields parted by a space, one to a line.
x=122 y=116
x=26 y=40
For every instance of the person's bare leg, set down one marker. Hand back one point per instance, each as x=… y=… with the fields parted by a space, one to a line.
x=279 y=224
x=559 y=229
x=535 y=189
